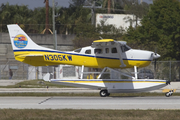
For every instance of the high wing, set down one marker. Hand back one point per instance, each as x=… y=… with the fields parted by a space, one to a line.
x=111 y=42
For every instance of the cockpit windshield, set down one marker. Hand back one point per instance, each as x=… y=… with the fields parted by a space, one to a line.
x=78 y=50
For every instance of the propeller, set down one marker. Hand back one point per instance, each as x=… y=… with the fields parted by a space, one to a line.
x=155 y=56
x=155 y=59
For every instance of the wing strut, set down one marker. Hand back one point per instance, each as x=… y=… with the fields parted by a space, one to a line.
x=135 y=72
x=101 y=73
x=82 y=70
x=120 y=54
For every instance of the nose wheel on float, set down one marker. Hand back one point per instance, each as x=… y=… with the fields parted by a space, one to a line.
x=168 y=94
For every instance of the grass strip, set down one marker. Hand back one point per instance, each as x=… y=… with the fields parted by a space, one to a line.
x=68 y=114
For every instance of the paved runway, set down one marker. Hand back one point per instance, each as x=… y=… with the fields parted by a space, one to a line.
x=144 y=103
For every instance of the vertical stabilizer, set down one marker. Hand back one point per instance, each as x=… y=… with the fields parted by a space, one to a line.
x=20 y=40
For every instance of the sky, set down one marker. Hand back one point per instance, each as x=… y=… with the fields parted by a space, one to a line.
x=40 y=3
x=36 y=3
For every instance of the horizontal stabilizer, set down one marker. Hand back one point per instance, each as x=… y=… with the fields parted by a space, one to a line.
x=47 y=77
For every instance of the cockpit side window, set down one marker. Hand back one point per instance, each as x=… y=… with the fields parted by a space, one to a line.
x=124 y=48
x=98 y=51
x=77 y=50
x=88 y=52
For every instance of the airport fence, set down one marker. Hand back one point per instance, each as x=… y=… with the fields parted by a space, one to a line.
x=167 y=70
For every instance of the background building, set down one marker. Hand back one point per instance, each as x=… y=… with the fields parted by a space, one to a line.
x=118 y=20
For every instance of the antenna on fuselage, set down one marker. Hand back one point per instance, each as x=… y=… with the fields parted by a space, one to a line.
x=100 y=37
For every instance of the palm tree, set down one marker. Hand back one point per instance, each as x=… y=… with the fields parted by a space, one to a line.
x=5 y=16
x=65 y=19
x=12 y=14
x=39 y=17
x=70 y=17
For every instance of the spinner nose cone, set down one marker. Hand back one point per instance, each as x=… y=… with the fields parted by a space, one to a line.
x=155 y=56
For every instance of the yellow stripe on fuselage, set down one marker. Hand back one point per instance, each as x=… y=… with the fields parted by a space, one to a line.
x=53 y=58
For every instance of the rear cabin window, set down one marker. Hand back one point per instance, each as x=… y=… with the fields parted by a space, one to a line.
x=88 y=52
x=97 y=51
x=107 y=50
x=114 y=50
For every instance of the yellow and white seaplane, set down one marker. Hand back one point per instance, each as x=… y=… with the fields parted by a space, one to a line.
x=107 y=54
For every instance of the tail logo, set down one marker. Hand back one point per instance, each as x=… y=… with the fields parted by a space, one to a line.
x=20 y=41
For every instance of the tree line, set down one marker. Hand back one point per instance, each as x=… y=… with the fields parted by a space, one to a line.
x=68 y=18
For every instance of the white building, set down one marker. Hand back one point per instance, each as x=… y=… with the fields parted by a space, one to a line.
x=118 y=20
